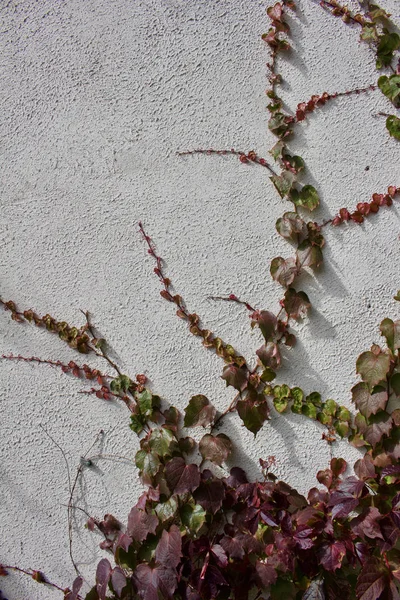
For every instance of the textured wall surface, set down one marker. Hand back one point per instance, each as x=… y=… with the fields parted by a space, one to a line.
x=96 y=99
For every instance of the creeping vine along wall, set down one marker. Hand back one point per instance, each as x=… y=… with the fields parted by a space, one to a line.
x=219 y=516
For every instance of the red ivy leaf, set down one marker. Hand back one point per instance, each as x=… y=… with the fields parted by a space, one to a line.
x=269 y=355
x=372 y=580
x=330 y=556
x=215 y=448
x=283 y=271
x=368 y=404
x=253 y=412
x=266 y=574
x=367 y=524
x=267 y=322
x=181 y=477
x=155 y=583
x=140 y=524
x=375 y=431
x=169 y=548
x=199 y=412
x=235 y=377
x=210 y=495
x=296 y=304
x=291 y=227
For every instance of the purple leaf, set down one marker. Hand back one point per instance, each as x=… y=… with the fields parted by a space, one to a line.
x=118 y=581
x=210 y=495
x=140 y=524
x=169 y=548
x=123 y=541
x=342 y=504
x=330 y=556
x=76 y=586
x=364 y=468
x=367 y=524
x=351 y=485
x=253 y=411
x=155 y=583
x=233 y=546
x=220 y=555
x=181 y=477
x=265 y=574
x=103 y=574
x=392 y=471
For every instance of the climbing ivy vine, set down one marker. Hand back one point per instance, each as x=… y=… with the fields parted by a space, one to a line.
x=197 y=535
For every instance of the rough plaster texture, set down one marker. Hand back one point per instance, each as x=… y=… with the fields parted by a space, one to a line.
x=96 y=99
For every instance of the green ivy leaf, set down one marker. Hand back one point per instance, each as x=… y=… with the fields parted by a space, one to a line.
x=280 y=404
x=344 y=414
x=391 y=331
x=199 y=412
x=281 y=391
x=330 y=407
x=278 y=125
x=145 y=403
x=393 y=126
x=376 y=12
x=314 y=398
x=163 y=442
x=369 y=34
x=193 y=517
x=390 y=86
x=283 y=183
x=309 y=410
x=120 y=384
x=298 y=396
x=388 y=44
x=342 y=428
x=307 y=197
x=268 y=375
x=147 y=462
x=166 y=510
x=373 y=366
x=137 y=423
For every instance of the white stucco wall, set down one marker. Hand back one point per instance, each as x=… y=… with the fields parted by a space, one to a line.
x=96 y=99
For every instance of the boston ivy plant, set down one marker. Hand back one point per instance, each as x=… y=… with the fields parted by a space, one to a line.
x=197 y=535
